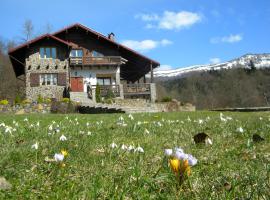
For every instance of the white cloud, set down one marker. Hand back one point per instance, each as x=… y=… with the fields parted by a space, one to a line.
x=170 y=20
x=214 y=60
x=227 y=39
x=145 y=45
x=147 y=17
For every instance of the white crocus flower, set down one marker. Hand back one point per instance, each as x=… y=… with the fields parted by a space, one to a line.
x=192 y=160
x=63 y=138
x=139 y=149
x=178 y=149
x=130 y=117
x=35 y=146
x=58 y=157
x=130 y=148
x=124 y=147
x=50 y=128
x=8 y=129
x=168 y=152
x=180 y=155
x=200 y=121
x=240 y=129
x=113 y=145
x=208 y=141
x=121 y=118
x=146 y=131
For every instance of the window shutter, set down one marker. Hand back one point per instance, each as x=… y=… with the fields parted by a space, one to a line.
x=62 y=79
x=34 y=79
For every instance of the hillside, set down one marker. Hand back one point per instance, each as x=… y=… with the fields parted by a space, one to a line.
x=222 y=88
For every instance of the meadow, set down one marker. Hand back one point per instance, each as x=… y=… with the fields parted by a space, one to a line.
x=120 y=156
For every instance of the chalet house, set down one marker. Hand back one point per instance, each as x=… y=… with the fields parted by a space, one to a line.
x=78 y=59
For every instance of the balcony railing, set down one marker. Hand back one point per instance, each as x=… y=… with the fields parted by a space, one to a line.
x=139 y=88
x=106 y=89
x=104 y=60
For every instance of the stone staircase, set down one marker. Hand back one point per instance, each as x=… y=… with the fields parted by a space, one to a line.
x=123 y=106
x=81 y=97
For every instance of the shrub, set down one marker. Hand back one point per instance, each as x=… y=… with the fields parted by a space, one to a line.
x=18 y=99
x=108 y=101
x=110 y=94
x=26 y=101
x=48 y=100
x=40 y=99
x=63 y=107
x=66 y=100
x=166 y=99
x=4 y=102
x=98 y=97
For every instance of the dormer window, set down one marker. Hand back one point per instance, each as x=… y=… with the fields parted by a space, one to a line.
x=75 y=53
x=97 y=54
x=47 y=52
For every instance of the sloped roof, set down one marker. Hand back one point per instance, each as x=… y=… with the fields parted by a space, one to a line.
x=36 y=40
x=105 y=38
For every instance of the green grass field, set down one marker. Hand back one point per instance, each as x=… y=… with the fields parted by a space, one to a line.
x=233 y=167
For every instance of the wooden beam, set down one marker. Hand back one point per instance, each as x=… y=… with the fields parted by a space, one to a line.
x=152 y=74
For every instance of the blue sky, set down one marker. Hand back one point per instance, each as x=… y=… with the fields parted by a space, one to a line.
x=176 y=33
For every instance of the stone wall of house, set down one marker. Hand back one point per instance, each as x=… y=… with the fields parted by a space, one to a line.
x=36 y=65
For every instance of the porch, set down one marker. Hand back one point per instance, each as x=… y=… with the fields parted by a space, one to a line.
x=122 y=91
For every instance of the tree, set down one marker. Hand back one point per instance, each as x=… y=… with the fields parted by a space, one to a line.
x=28 y=30
x=252 y=66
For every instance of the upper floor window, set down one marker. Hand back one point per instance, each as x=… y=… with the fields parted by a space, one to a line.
x=76 y=53
x=97 y=54
x=47 y=52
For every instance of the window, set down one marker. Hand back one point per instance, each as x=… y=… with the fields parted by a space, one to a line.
x=47 y=52
x=104 y=81
x=48 y=79
x=76 y=53
x=97 y=54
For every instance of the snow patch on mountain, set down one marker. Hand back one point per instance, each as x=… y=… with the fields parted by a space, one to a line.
x=259 y=61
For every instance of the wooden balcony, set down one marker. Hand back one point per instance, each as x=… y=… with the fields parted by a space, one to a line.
x=136 y=89
x=97 y=61
x=105 y=89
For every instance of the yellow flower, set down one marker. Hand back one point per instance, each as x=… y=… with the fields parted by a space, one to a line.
x=186 y=168
x=63 y=165
x=175 y=164
x=64 y=153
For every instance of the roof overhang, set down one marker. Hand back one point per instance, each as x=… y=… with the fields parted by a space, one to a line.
x=17 y=54
x=101 y=36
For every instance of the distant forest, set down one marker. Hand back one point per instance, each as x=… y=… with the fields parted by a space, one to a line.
x=236 y=87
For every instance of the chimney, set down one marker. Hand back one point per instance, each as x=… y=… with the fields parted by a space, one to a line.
x=111 y=36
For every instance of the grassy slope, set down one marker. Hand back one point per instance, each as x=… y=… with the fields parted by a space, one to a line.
x=94 y=170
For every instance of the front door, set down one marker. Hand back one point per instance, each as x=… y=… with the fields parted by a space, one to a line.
x=76 y=84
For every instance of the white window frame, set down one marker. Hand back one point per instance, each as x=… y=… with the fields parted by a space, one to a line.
x=48 y=79
x=45 y=54
x=76 y=53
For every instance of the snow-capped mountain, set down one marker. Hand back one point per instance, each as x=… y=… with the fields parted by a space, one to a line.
x=259 y=61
